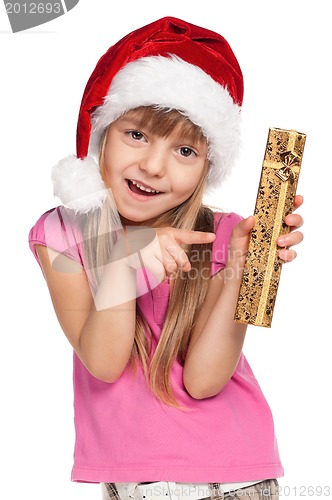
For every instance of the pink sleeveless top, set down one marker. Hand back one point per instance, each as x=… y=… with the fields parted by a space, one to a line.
x=125 y=434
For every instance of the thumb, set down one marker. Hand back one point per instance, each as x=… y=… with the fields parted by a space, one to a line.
x=244 y=227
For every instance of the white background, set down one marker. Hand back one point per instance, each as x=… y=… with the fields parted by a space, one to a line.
x=284 y=49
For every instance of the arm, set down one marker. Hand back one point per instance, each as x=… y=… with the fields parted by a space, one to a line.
x=101 y=336
x=101 y=329
x=216 y=343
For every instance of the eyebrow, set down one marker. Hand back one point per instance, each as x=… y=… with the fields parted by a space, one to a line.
x=130 y=121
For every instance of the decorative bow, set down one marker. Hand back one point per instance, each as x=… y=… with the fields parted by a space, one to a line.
x=289 y=160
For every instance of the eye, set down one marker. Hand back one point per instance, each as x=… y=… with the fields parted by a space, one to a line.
x=186 y=152
x=136 y=135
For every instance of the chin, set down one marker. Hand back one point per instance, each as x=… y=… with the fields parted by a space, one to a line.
x=128 y=219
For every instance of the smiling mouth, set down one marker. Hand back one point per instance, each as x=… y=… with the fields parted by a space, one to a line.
x=138 y=188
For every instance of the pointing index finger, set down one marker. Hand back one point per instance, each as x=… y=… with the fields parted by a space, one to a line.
x=193 y=237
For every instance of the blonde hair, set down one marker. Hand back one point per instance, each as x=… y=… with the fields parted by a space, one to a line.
x=188 y=290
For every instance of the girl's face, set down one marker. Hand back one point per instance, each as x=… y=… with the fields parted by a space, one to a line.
x=149 y=174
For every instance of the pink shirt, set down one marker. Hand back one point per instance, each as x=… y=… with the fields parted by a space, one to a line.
x=125 y=434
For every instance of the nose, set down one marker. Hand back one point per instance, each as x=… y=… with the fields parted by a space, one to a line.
x=153 y=161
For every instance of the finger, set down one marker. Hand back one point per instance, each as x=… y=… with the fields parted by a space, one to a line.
x=170 y=267
x=294 y=221
x=287 y=255
x=244 y=227
x=156 y=267
x=192 y=237
x=179 y=256
x=298 y=200
x=168 y=262
x=290 y=239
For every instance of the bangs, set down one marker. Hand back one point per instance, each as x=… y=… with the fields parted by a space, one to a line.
x=162 y=122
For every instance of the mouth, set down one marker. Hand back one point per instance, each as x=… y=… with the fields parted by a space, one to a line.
x=142 y=189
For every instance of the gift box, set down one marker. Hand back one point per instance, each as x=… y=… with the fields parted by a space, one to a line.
x=275 y=198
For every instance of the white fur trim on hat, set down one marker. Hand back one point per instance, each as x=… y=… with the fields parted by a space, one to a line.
x=170 y=82
x=78 y=183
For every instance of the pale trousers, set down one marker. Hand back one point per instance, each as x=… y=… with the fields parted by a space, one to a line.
x=265 y=490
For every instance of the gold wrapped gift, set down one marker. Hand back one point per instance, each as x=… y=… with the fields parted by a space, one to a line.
x=275 y=198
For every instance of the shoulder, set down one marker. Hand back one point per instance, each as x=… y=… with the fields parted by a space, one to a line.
x=59 y=229
x=226 y=221
x=223 y=227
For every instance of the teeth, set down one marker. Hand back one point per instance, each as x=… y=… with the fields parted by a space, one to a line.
x=143 y=188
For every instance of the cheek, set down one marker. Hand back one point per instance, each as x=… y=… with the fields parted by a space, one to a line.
x=186 y=181
x=105 y=173
x=109 y=167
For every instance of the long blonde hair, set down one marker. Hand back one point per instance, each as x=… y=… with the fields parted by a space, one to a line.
x=188 y=290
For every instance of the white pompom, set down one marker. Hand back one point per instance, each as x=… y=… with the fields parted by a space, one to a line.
x=78 y=183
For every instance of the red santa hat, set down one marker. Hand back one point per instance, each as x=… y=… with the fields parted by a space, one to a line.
x=171 y=64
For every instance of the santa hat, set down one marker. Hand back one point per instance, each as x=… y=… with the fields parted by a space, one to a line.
x=170 y=64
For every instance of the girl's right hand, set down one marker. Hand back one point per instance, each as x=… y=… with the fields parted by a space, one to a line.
x=163 y=255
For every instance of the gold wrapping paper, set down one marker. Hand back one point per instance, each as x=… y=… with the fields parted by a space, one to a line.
x=275 y=198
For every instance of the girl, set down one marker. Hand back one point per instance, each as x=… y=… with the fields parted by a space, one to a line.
x=144 y=278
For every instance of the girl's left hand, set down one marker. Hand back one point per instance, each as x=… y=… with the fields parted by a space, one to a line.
x=294 y=221
x=241 y=234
